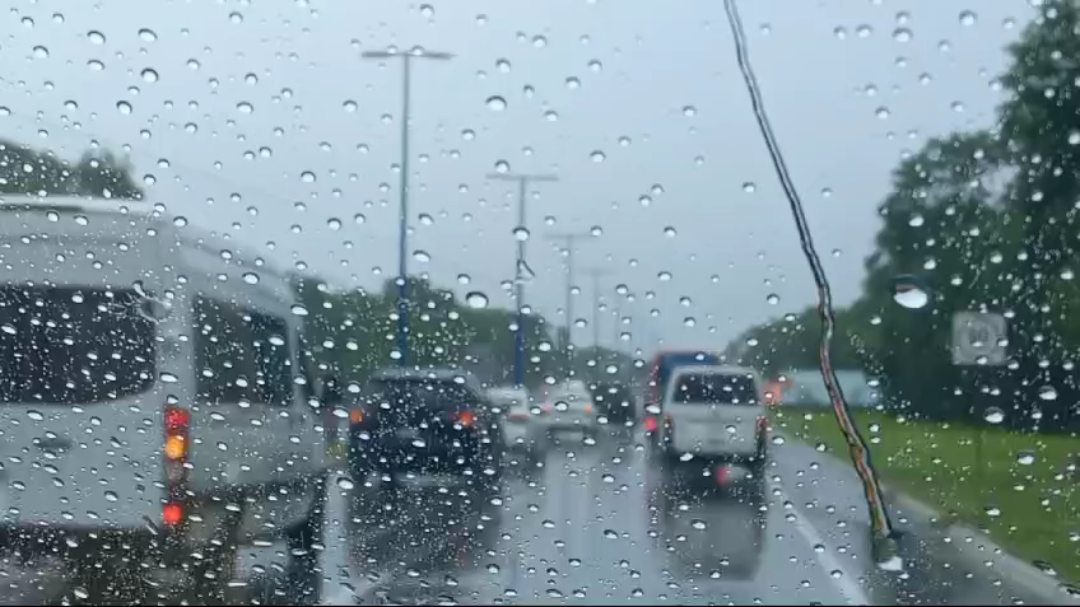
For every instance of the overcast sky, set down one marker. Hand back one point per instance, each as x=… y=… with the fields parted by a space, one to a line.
x=244 y=97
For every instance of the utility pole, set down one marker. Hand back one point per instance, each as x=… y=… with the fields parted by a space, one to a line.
x=569 y=239
x=596 y=273
x=403 y=209
x=521 y=234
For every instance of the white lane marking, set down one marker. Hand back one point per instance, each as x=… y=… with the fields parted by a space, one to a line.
x=847 y=583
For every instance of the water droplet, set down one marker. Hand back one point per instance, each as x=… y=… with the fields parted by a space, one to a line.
x=427 y=11
x=244 y=107
x=344 y=482
x=909 y=292
x=882 y=113
x=503 y=66
x=251 y=278
x=573 y=83
x=968 y=18
x=41 y=52
x=994 y=415
x=496 y=103
x=307 y=177
x=597 y=156
x=689 y=111
x=773 y=299
x=124 y=107
x=95 y=37
x=476 y=300
x=1048 y=393
x=521 y=234
x=749 y=187
x=421 y=256
x=350 y=106
x=147 y=35
x=902 y=34
x=149 y=75
x=1025 y=458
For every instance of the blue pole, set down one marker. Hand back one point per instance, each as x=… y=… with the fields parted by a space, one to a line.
x=519 y=334
x=403 y=218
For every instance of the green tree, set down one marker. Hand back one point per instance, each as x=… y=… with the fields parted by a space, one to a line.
x=24 y=170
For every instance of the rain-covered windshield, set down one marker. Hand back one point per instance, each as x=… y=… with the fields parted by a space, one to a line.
x=566 y=302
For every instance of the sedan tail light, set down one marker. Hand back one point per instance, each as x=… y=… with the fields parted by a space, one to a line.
x=466 y=419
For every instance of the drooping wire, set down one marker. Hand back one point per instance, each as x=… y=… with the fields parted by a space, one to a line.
x=860 y=454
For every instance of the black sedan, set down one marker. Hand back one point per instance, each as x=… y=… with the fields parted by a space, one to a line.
x=423 y=423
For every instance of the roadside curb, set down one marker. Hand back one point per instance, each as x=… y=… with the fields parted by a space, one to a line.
x=980 y=551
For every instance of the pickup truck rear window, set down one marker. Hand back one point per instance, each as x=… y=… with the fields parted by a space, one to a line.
x=715 y=389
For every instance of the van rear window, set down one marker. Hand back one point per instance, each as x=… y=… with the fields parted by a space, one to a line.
x=715 y=389
x=62 y=345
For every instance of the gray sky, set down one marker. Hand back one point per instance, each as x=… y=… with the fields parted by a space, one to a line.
x=823 y=93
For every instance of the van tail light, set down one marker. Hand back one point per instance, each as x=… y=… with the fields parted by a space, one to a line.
x=176 y=447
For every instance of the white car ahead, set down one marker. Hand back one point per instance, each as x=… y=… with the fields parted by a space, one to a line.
x=522 y=428
x=570 y=407
x=715 y=414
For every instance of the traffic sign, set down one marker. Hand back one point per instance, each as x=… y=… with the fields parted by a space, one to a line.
x=979 y=338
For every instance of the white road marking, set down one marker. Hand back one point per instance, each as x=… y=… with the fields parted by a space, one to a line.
x=847 y=583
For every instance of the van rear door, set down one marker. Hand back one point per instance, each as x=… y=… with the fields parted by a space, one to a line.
x=80 y=433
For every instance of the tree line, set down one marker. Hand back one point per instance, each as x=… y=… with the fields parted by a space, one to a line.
x=981 y=221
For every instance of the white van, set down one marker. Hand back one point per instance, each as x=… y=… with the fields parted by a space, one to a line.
x=153 y=400
x=715 y=413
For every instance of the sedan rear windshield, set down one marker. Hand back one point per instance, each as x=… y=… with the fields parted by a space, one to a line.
x=73 y=345
x=428 y=394
x=715 y=389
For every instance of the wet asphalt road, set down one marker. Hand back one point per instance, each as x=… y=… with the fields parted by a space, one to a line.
x=603 y=524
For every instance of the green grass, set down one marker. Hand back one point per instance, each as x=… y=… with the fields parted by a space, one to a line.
x=336 y=449
x=1031 y=510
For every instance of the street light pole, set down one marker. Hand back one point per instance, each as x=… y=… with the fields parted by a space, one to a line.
x=403 y=208
x=521 y=233
x=569 y=238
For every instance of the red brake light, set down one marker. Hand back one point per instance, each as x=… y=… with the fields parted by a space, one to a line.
x=466 y=418
x=650 y=424
x=177 y=420
x=172 y=514
x=356 y=416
